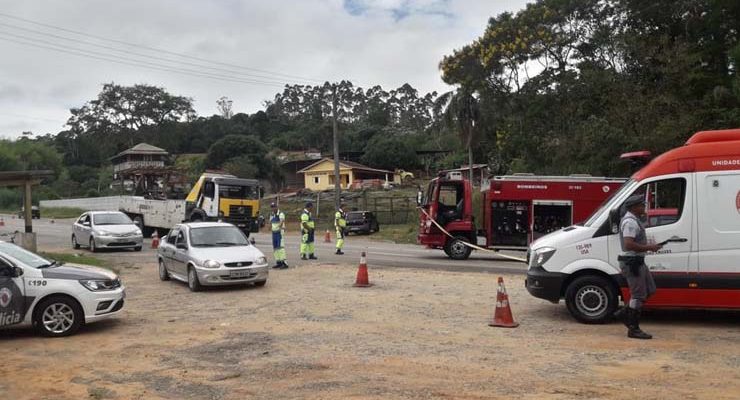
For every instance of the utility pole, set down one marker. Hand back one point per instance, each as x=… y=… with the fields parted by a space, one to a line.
x=337 y=182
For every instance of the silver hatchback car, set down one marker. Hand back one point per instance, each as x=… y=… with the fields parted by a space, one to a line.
x=210 y=254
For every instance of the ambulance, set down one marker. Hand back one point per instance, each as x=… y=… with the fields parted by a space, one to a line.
x=692 y=195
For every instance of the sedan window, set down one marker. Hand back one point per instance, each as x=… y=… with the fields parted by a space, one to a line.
x=217 y=236
x=112 y=219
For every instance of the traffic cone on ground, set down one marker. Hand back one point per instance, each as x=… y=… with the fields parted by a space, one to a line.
x=2 y=222
x=155 y=240
x=327 y=237
x=502 y=316
x=362 y=279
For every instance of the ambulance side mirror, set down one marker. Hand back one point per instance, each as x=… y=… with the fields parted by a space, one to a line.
x=614 y=220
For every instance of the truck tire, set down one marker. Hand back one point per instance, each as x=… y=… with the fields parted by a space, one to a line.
x=591 y=299
x=139 y=220
x=456 y=249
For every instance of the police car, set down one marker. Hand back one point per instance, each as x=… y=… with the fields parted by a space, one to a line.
x=54 y=298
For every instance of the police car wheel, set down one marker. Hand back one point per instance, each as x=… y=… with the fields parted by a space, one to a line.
x=591 y=299
x=164 y=275
x=75 y=245
x=58 y=316
x=456 y=249
x=193 y=282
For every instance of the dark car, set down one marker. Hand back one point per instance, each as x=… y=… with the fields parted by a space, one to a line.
x=35 y=212
x=362 y=222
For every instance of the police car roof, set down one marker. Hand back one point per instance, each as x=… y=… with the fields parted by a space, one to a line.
x=207 y=224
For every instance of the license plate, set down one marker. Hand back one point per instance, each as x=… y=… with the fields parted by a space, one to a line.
x=239 y=274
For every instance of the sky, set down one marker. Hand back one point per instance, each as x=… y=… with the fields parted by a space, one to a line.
x=55 y=55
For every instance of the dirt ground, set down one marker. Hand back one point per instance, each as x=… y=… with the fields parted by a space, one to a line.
x=415 y=335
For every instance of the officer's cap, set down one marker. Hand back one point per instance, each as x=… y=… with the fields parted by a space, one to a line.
x=634 y=200
x=309 y=204
x=273 y=205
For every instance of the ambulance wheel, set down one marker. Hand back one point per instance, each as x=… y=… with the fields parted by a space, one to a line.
x=456 y=249
x=591 y=299
x=58 y=316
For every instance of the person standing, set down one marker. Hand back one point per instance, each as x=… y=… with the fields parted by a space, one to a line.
x=340 y=224
x=632 y=263
x=308 y=226
x=277 y=222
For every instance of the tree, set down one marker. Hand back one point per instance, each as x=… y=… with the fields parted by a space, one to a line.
x=462 y=113
x=390 y=153
x=224 y=105
x=126 y=109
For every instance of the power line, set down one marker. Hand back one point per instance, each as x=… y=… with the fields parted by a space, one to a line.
x=137 y=63
x=156 y=49
x=148 y=56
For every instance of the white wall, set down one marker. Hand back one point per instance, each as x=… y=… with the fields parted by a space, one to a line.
x=111 y=203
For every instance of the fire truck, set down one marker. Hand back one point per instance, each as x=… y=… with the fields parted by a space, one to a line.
x=516 y=209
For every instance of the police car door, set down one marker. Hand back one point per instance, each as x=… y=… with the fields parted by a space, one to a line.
x=670 y=204
x=12 y=299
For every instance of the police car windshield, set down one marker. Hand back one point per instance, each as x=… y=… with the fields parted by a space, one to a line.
x=217 y=236
x=609 y=203
x=111 y=219
x=26 y=257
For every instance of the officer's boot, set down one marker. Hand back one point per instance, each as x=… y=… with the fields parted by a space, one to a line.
x=339 y=252
x=621 y=315
x=303 y=256
x=633 y=327
x=283 y=265
x=312 y=257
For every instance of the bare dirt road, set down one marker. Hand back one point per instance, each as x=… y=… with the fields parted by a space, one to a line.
x=415 y=335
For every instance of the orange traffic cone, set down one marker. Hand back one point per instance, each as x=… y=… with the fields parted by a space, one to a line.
x=155 y=240
x=362 y=279
x=502 y=316
x=327 y=237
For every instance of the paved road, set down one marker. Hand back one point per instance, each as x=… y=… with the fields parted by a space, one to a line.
x=379 y=253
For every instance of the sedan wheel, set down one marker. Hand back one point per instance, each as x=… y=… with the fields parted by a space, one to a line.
x=92 y=246
x=75 y=245
x=58 y=316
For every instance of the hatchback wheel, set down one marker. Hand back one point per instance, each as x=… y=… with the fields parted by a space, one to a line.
x=164 y=275
x=193 y=282
x=58 y=316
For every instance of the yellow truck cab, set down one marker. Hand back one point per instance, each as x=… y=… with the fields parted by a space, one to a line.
x=227 y=198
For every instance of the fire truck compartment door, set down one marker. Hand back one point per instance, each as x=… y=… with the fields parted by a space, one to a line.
x=550 y=216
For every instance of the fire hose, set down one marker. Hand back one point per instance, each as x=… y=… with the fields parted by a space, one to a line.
x=472 y=246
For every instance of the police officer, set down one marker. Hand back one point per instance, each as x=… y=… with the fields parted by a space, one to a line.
x=632 y=264
x=277 y=222
x=308 y=227
x=340 y=224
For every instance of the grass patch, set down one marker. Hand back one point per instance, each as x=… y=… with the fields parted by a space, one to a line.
x=402 y=234
x=79 y=258
x=60 y=212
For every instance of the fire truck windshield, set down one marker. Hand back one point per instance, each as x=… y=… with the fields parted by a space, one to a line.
x=609 y=203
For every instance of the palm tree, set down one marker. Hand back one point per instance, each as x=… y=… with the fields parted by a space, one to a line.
x=459 y=110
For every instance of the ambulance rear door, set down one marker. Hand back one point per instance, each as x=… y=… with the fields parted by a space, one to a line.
x=719 y=239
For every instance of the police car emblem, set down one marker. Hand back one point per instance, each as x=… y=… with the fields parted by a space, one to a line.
x=5 y=296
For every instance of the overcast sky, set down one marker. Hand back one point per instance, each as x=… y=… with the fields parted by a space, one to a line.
x=259 y=44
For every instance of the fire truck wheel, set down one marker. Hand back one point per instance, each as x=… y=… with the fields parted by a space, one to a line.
x=456 y=249
x=591 y=299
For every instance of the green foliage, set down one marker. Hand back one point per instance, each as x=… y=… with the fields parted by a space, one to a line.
x=566 y=86
x=390 y=153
